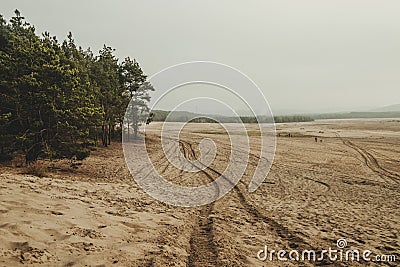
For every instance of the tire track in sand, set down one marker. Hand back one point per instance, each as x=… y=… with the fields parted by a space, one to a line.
x=202 y=247
x=294 y=241
x=371 y=162
x=203 y=251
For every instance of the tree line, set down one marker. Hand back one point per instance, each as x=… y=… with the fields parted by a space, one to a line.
x=184 y=116
x=58 y=100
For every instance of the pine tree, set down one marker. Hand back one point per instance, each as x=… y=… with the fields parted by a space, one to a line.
x=55 y=99
x=135 y=85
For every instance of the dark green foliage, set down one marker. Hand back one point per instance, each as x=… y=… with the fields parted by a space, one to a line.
x=56 y=99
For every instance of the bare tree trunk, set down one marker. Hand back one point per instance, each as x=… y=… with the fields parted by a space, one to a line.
x=104 y=135
x=109 y=134
x=135 y=130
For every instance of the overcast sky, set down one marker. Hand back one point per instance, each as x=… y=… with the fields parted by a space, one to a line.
x=304 y=55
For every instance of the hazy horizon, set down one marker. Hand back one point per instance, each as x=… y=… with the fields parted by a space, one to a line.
x=308 y=56
x=287 y=112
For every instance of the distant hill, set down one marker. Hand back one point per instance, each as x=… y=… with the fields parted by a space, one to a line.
x=391 y=108
x=357 y=115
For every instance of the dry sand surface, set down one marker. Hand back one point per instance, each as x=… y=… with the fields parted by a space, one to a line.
x=346 y=186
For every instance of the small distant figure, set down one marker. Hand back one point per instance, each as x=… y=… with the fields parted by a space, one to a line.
x=320 y=140
x=316 y=139
x=289 y=135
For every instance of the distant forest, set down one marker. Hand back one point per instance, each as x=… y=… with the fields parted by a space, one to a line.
x=183 y=116
x=58 y=100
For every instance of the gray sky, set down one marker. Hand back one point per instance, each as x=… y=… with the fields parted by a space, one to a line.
x=305 y=55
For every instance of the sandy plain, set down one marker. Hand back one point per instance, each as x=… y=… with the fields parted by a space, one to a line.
x=343 y=187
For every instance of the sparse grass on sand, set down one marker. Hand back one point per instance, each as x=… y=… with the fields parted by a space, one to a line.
x=36 y=168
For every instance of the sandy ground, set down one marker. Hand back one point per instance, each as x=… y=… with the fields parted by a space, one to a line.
x=346 y=186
